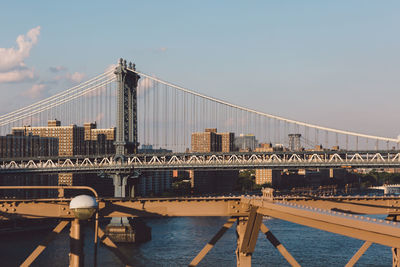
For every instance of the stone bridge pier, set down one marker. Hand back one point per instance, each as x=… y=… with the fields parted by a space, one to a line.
x=124 y=229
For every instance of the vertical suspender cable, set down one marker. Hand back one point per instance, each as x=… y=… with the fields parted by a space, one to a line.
x=173 y=117
x=154 y=114
x=165 y=115
x=145 y=115
x=184 y=120
x=356 y=142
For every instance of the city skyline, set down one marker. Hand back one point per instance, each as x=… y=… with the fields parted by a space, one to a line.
x=325 y=62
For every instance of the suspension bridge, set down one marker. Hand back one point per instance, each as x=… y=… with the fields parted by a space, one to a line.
x=147 y=110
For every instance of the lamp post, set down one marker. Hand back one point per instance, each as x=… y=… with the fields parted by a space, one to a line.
x=83 y=207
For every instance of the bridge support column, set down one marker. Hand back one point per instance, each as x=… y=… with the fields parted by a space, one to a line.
x=76 y=258
x=243 y=259
x=247 y=229
x=119 y=191
x=121 y=229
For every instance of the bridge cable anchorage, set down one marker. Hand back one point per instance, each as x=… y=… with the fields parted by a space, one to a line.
x=252 y=111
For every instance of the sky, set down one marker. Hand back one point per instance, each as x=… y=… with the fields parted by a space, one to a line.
x=331 y=63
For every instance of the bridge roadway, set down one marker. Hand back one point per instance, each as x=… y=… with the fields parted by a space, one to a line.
x=210 y=161
x=340 y=215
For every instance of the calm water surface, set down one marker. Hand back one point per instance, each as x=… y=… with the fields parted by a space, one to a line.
x=175 y=241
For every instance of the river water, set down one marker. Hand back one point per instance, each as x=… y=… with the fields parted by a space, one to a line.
x=175 y=241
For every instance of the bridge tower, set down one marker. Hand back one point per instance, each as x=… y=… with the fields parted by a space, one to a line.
x=126 y=141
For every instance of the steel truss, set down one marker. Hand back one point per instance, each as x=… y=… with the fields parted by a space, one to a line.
x=287 y=160
x=245 y=211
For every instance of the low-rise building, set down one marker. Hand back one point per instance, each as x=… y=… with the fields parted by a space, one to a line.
x=270 y=176
x=213 y=181
x=246 y=142
x=73 y=140
x=30 y=146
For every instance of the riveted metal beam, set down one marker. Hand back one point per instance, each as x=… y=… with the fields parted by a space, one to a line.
x=358 y=254
x=275 y=242
x=248 y=243
x=377 y=231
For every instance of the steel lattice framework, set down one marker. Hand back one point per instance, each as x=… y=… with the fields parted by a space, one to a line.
x=340 y=215
x=171 y=161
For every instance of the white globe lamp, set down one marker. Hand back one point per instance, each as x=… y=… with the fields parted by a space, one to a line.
x=83 y=206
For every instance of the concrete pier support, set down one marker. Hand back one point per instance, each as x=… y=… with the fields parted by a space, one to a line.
x=122 y=229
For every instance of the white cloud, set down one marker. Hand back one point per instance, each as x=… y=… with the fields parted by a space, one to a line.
x=67 y=78
x=14 y=57
x=76 y=77
x=36 y=91
x=12 y=66
x=17 y=75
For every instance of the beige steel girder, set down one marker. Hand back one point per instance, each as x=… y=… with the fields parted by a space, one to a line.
x=59 y=208
x=358 y=254
x=242 y=259
x=275 y=242
x=349 y=204
x=332 y=214
x=43 y=245
x=212 y=242
x=377 y=231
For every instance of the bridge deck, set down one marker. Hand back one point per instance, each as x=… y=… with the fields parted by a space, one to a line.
x=233 y=160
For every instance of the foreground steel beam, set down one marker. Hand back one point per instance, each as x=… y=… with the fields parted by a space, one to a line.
x=43 y=245
x=212 y=242
x=248 y=243
x=242 y=259
x=377 y=231
x=275 y=242
x=206 y=206
x=199 y=206
x=349 y=204
x=76 y=244
x=358 y=254
x=248 y=210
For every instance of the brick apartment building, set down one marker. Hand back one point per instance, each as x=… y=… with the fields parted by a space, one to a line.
x=213 y=181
